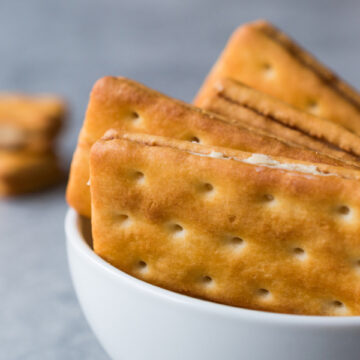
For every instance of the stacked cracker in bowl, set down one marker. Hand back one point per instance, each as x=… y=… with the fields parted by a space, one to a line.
x=29 y=126
x=253 y=202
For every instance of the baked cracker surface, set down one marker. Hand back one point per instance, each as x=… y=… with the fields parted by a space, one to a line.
x=128 y=106
x=24 y=172
x=263 y=57
x=239 y=103
x=228 y=226
x=30 y=123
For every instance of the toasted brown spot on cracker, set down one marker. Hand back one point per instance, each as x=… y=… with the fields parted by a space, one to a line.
x=236 y=242
x=299 y=253
x=176 y=229
x=141 y=266
x=343 y=210
x=194 y=139
x=122 y=217
x=123 y=220
x=268 y=70
x=337 y=303
x=313 y=107
x=138 y=176
x=268 y=197
x=263 y=293
x=207 y=280
x=232 y=218
x=135 y=117
x=338 y=307
x=207 y=187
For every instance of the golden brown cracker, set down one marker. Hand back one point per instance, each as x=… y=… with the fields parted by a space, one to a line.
x=23 y=172
x=128 y=106
x=227 y=226
x=239 y=103
x=263 y=57
x=30 y=122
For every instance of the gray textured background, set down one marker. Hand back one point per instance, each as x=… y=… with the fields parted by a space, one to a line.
x=63 y=47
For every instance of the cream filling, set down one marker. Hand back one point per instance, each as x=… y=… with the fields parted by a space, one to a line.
x=215 y=155
x=11 y=137
x=267 y=161
x=264 y=160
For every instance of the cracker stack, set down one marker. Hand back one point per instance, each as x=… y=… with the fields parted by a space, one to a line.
x=263 y=57
x=253 y=202
x=127 y=106
x=28 y=128
x=240 y=104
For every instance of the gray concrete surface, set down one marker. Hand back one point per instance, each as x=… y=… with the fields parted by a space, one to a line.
x=63 y=47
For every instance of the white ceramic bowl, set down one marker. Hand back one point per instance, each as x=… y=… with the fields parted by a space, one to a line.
x=134 y=320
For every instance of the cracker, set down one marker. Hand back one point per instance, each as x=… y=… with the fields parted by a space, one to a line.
x=30 y=122
x=239 y=103
x=261 y=56
x=23 y=172
x=128 y=106
x=228 y=226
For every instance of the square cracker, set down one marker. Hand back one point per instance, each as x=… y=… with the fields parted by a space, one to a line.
x=239 y=103
x=30 y=122
x=23 y=172
x=128 y=106
x=263 y=57
x=228 y=226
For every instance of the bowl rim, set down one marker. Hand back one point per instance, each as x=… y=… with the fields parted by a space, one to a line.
x=76 y=240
